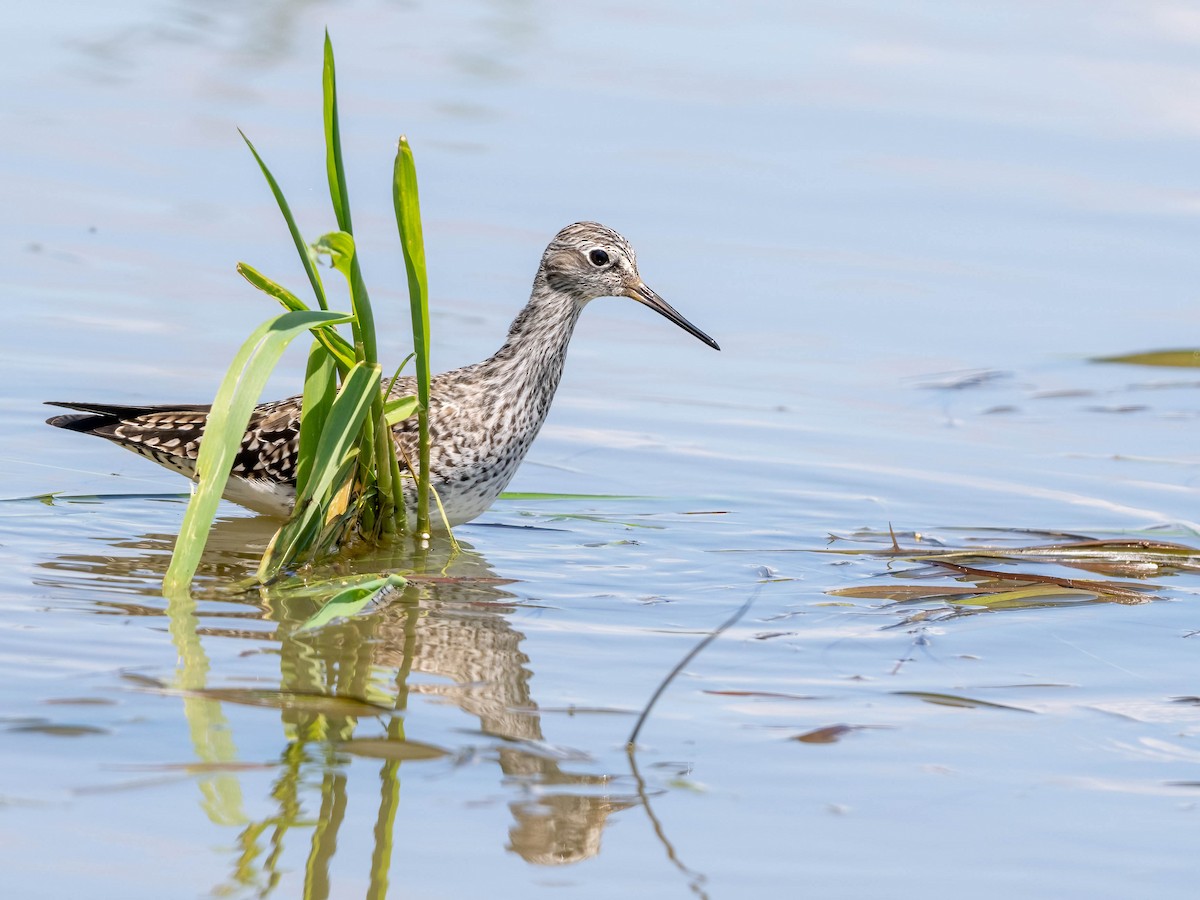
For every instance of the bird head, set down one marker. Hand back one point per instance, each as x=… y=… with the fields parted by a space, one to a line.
x=586 y=260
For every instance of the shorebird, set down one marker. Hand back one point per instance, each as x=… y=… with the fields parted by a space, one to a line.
x=482 y=417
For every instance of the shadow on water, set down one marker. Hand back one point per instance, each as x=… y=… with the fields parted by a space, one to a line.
x=446 y=635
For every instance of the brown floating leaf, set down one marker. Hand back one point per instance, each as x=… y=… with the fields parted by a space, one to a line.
x=1083 y=545
x=1137 y=557
x=1034 y=684
x=143 y=680
x=1120 y=408
x=904 y=592
x=1177 y=358
x=999 y=587
x=1142 y=557
x=1045 y=532
x=957 y=381
x=79 y=701
x=955 y=700
x=319 y=704
x=1065 y=393
x=1131 y=590
x=58 y=730
x=1117 y=568
x=830 y=734
x=386 y=748
x=1080 y=548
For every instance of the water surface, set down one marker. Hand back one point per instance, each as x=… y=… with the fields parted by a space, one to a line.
x=908 y=225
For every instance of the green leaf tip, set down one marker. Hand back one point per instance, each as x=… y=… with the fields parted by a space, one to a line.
x=1185 y=358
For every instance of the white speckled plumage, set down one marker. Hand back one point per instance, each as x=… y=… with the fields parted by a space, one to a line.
x=483 y=417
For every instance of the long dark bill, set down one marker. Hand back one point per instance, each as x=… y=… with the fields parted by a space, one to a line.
x=647 y=297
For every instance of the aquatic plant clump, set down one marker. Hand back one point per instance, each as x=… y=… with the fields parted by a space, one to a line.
x=348 y=478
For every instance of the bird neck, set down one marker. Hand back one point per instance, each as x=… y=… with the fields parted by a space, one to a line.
x=533 y=354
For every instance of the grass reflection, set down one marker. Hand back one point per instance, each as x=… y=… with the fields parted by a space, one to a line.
x=343 y=697
x=210 y=732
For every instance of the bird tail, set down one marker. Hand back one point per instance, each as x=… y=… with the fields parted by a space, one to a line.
x=97 y=417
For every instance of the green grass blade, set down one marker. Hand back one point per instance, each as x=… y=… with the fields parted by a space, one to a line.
x=330 y=339
x=301 y=247
x=345 y=419
x=351 y=600
x=377 y=468
x=1188 y=358
x=396 y=375
x=223 y=433
x=320 y=388
x=333 y=143
x=397 y=409
x=339 y=246
x=363 y=313
x=407 y=204
x=342 y=432
x=376 y=464
x=408 y=220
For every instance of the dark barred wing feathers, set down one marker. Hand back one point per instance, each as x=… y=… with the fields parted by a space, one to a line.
x=170 y=435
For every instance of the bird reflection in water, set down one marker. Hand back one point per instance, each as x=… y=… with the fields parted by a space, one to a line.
x=447 y=635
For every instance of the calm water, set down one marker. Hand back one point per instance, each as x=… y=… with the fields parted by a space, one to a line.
x=908 y=224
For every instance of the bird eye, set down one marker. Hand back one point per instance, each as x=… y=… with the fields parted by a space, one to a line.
x=598 y=258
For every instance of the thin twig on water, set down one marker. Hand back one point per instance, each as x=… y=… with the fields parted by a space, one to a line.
x=692 y=654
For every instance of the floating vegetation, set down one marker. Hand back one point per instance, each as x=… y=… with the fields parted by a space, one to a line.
x=57 y=729
x=50 y=498
x=1189 y=359
x=391 y=748
x=956 y=700
x=830 y=734
x=995 y=576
